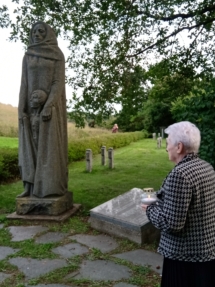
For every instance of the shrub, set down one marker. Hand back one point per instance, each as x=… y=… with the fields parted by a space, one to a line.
x=77 y=148
x=8 y=164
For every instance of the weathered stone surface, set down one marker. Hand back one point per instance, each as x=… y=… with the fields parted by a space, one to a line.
x=20 y=233
x=59 y=218
x=52 y=205
x=33 y=268
x=144 y=258
x=1 y=226
x=4 y=276
x=70 y=250
x=103 y=242
x=5 y=251
x=43 y=141
x=102 y=270
x=123 y=216
x=50 y=237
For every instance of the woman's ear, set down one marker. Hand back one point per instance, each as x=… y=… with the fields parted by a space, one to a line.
x=180 y=148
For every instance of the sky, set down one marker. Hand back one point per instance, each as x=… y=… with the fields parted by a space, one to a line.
x=11 y=66
x=10 y=70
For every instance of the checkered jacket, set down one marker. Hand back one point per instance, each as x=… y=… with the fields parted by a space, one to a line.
x=185 y=211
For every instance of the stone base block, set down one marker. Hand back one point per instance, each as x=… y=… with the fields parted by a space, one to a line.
x=59 y=218
x=51 y=205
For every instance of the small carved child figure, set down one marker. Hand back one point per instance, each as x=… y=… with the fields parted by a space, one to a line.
x=37 y=101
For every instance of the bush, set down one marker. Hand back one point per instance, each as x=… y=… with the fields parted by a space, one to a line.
x=77 y=148
x=8 y=164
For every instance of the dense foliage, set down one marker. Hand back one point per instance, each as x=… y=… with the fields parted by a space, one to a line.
x=199 y=108
x=8 y=164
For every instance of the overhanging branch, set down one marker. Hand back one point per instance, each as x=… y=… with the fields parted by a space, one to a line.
x=210 y=8
x=171 y=35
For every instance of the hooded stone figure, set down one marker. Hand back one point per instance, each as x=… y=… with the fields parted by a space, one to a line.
x=43 y=140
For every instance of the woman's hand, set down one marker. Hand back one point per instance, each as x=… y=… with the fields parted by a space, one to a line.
x=46 y=113
x=144 y=206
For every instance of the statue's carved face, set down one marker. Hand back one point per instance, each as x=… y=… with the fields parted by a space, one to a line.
x=39 y=33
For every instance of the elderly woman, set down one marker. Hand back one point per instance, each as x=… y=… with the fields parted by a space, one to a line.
x=185 y=212
x=42 y=116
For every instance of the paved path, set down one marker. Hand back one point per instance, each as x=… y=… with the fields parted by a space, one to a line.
x=95 y=258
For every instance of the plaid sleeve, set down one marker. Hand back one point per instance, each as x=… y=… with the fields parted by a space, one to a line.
x=171 y=215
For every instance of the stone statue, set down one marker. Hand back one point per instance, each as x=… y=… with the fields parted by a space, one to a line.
x=42 y=116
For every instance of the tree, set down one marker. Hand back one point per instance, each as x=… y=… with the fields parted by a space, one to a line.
x=166 y=86
x=132 y=95
x=110 y=37
x=198 y=108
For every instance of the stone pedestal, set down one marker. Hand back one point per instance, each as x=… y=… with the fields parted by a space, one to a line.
x=103 y=155
x=89 y=160
x=123 y=216
x=111 y=157
x=50 y=205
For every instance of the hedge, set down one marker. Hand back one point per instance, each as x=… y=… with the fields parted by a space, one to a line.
x=76 y=151
x=9 y=164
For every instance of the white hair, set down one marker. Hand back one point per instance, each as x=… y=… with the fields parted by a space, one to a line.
x=186 y=133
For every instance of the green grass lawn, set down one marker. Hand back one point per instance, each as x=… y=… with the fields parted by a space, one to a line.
x=141 y=164
x=8 y=142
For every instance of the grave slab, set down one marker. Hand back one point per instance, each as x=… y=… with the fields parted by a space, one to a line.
x=70 y=250
x=104 y=243
x=33 y=268
x=5 y=251
x=123 y=216
x=20 y=233
x=4 y=276
x=144 y=258
x=101 y=270
x=50 y=237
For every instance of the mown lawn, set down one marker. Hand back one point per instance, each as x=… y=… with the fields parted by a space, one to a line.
x=141 y=164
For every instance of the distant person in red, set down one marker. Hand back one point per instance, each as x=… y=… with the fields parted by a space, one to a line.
x=115 y=128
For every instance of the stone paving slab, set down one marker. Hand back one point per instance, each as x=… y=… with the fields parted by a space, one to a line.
x=104 y=243
x=50 y=237
x=101 y=270
x=144 y=258
x=20 y=233
x=33 y=268
x=4 y=276
x=123 y=284
x=70 y=250
x=5 y=251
